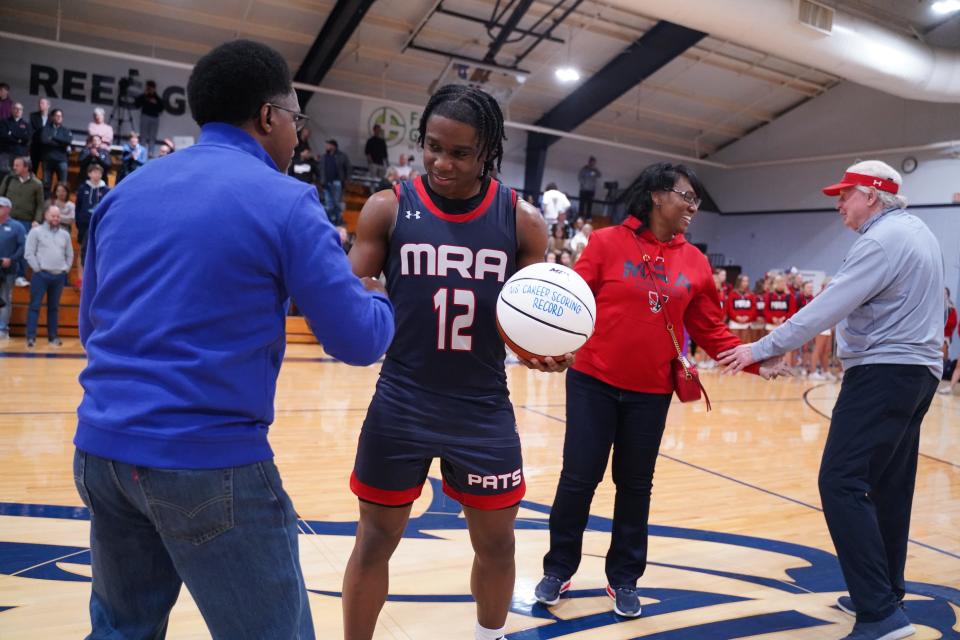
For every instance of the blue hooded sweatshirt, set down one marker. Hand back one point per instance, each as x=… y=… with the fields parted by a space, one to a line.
x=191 y=262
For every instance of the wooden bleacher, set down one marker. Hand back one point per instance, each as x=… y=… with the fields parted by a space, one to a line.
x=355 y=195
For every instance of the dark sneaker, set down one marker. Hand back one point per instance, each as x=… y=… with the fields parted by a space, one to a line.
x=57 y=342
x=549 y=590
x=626 y=602
x=845 y=604
x=893 y=627
x=31 y=342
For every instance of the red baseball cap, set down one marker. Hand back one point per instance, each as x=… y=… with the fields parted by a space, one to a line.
x=861 y=179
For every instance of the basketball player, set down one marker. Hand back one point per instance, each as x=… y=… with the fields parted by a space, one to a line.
x=742 y=308
x=446 y=241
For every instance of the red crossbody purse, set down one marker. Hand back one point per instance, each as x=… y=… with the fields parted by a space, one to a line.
x=686 y=380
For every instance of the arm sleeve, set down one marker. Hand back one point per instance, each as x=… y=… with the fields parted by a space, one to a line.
x=21 y=245
x=89 y=289
x=704 y=320
x=68 y=255
x=590 y=264
x=38 y=204
x=860 y=278
x=30 y=253
x=45 y=135
x=353 y=324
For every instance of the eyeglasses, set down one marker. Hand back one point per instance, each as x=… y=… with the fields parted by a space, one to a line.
x=299 y=120
x=690 y=197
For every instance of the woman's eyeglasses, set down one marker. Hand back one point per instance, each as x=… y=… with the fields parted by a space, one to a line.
x=690 y=197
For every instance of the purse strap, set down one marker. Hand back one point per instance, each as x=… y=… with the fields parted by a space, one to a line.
x=666 y=316
x=688 y=374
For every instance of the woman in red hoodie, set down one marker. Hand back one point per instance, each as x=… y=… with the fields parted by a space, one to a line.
x=620 y=386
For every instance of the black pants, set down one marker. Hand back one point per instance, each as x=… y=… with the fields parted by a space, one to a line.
x=867 y=477
x=598 y=416
x=586 y=204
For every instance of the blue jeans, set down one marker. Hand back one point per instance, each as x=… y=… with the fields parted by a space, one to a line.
x=45 y=284
x=49 y=167
x=6 y=294
x=229 y=534
x=601 y=416
x=332 y=195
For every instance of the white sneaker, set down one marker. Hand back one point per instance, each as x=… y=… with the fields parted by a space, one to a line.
x=21 y=282
x=831 y=377
x=816 y=375
x=945 y=390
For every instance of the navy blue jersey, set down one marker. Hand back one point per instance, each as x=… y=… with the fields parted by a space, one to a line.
x=443 y=377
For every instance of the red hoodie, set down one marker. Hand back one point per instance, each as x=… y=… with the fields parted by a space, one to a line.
x=630 y=347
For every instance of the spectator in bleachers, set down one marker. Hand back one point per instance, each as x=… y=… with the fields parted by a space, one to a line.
x=304 y=166
x=303 y=142
x=580 y=239
x=165 y=148
x=133 y=157
x=12 y=243
x=94 y=153
x=151 y=106
x=49 y=252
x=15 y=134
x=38 y=120
x=100 y=128
x=588 y=177
x=376 y=152
x=557 y=239
x=6 y=103
x=333 y=170
x=555 y=202
x=55 y=140
x=89 y=196
x=26 y=194
x=403 y=167
x=61 y=199
x=388 y=181
x=565 y=257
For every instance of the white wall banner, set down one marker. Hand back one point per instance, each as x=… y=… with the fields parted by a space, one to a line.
x=76 y=82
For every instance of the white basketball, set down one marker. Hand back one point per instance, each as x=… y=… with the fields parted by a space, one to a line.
x=544 y=310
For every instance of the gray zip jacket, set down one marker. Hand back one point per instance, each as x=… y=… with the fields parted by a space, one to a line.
x=886 y=301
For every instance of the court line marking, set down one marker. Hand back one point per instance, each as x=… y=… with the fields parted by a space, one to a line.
x=806 y=400
x=752 y=486
x=51 y=561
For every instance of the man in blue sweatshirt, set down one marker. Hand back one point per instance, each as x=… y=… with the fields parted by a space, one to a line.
x=182 y=318
x=887 y=302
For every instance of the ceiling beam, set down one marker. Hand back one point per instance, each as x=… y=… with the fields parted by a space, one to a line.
x=518 y=12
x=644 y=57
x=329 y=43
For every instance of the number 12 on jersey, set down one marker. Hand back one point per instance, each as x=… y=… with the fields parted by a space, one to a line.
x=441 y=302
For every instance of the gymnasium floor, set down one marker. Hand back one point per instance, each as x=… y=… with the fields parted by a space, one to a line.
x=739 y=548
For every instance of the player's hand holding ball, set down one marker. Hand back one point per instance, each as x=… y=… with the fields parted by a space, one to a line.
x=546 y=312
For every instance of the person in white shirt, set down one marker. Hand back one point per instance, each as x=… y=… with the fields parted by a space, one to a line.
x=554 y=203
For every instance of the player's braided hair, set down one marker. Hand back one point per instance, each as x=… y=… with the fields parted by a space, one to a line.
x=476 y=108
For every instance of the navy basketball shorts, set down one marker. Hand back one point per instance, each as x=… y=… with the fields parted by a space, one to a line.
x=390 y=471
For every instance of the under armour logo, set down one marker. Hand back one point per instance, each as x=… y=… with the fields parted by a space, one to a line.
x=878 y=183
x=656 y=304
x=413 y=214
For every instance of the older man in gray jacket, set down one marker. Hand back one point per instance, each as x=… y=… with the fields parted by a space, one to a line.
x=888 y=301
x=49 y=252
